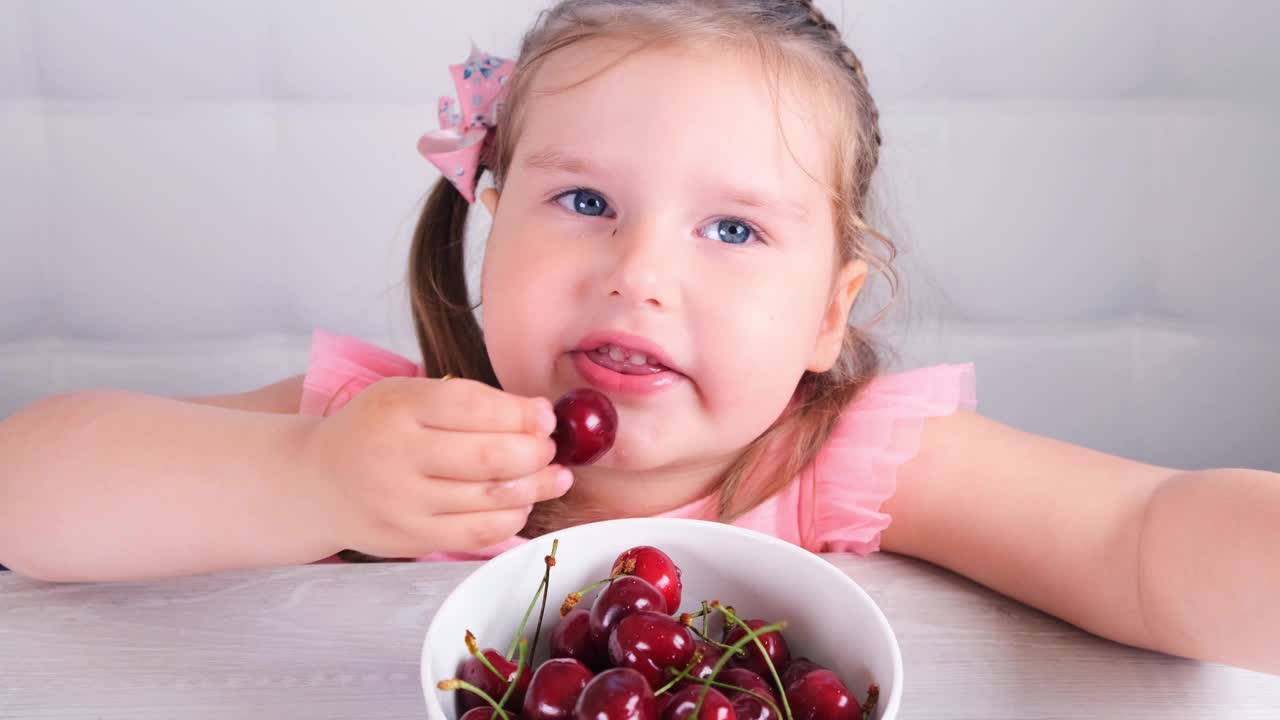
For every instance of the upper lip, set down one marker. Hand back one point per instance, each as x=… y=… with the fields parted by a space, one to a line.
x=637 y=343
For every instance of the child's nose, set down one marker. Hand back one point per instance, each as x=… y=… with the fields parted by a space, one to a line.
x=645 y=269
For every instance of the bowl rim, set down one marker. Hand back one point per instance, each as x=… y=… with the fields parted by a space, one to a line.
x=889 y=702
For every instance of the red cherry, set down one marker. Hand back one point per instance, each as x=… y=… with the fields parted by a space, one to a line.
x=554 y=690
x=486 y=713
x=747 y=680
x=797 y=669
x=820 y=695
x=714 y=707
x=651 y=642
x=571 y=638
x=624 y=596
x=773 y=643
x=749 y=708
x=745 y=706
x=710 y=656
x=617 y=694
x=586 y=425
x=474 y=672
x=655 y=566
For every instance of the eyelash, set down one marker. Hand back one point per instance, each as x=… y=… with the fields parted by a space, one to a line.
x=555 y=199
x=757 y=235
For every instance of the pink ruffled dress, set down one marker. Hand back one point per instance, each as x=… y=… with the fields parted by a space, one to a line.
x=832 y=506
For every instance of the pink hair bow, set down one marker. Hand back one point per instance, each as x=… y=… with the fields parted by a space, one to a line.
x=465 y=124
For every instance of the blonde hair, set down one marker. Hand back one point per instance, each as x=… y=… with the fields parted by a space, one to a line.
x=797 y=42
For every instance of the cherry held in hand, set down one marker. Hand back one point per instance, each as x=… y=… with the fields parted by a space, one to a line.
x=586 y=425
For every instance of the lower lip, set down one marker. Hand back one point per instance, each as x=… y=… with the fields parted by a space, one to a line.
x=613 y=381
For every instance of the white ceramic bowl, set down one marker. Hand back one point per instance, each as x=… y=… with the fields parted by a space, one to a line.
x=829 y=618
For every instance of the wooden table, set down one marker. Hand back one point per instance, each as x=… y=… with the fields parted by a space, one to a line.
x=342 y=642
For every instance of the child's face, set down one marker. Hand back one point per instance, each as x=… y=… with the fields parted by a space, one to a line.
x=659 y=200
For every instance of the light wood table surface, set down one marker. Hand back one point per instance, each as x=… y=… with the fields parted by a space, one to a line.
x=340 y=642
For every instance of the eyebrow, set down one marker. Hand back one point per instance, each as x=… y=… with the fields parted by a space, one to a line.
x=763 y=201
x=550 y=159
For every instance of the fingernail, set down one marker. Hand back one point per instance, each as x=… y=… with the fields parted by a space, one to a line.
x=546 y=417
x=564 y=481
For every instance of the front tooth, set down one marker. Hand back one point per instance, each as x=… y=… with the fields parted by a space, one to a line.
x=616 y=353
x=638 y=359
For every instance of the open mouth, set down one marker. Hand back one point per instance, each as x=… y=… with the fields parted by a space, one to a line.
x=618 y=363
x=624 y=360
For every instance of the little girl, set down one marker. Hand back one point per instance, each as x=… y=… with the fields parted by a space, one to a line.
x=678 y=204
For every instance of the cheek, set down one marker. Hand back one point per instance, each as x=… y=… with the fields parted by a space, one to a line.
x=504 y=293
x=523 y=309
x=758 y=343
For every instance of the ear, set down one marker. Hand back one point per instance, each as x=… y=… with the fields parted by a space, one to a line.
x=489 y=198
x=835 y=319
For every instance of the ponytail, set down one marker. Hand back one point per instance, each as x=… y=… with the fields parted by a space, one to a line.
x=448 y=334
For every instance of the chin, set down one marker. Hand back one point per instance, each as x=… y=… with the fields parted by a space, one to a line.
x=616 y=460
x=633 y=455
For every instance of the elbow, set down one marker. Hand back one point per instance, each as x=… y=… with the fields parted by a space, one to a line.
x=34 y=570
x=23 y=549
x=29 y=548
x=24 y=552
x=1207 y=568
x=31 y=440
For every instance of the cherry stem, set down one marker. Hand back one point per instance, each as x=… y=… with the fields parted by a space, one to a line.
x=683 y=674
x=706 y=612
x=869 y=707
x=520 y=664
x=572 y=600
x=697 y=658
x=456 y=684
x=541 y=591
x=724 y=660
x=474 y=649
x=733 y=618
x=546 y=590
x=717 y=643
x=625 y=567
x=708 y=608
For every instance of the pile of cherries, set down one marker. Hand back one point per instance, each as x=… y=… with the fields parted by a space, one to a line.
x=629 y=657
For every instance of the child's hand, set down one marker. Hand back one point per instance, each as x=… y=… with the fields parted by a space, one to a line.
x=411 y=466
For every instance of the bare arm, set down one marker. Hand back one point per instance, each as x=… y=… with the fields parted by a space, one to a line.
x=1179 y=562
x=102 y=485
x=280 y=397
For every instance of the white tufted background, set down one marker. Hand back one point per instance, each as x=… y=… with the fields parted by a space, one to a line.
x=1086 y=189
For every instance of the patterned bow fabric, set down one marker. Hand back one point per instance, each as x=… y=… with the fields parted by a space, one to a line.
x=465 y=123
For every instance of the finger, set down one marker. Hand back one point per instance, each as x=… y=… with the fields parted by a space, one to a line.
x=470 y=406
x=483 y=456
x=473 y=531
x=453 y=496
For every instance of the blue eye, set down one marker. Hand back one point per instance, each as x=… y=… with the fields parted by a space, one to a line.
x=583 y=202
x=733 y=232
